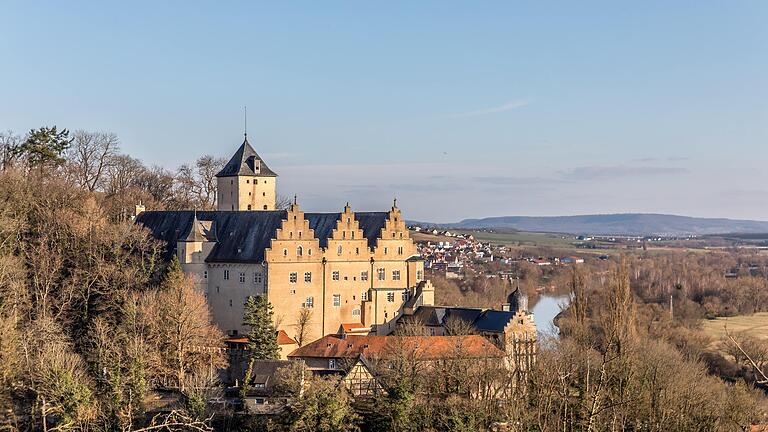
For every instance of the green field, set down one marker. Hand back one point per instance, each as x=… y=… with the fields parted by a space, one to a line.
x=522 y=238
x=755 y=325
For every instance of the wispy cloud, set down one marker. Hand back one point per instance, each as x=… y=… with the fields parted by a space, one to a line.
x=620 y=171
x=509 y=106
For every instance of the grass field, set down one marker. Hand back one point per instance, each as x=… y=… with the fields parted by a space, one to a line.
x=522 y=238
x=755 y=325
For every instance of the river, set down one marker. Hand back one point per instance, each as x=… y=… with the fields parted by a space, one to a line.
x=545 y=310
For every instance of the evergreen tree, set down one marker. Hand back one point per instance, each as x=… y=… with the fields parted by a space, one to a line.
x=44 y=146
x=262 y=336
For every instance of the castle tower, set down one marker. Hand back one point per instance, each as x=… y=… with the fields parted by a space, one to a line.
x=246 y=182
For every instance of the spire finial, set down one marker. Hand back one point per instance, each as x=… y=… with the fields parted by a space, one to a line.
x=295 y=199
x=245 y=122
x=394 y=203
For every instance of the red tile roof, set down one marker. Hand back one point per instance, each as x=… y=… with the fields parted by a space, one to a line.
x=354 y=328
x=421 y=347
x=284 y=339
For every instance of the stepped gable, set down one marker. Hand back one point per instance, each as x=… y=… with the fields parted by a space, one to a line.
x=243 y=236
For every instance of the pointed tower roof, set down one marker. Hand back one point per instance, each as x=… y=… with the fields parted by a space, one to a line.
x=246 y=162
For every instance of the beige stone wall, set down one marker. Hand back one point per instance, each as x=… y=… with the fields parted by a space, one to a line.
x=246 y=193
x=229 y=286
x=344 y=286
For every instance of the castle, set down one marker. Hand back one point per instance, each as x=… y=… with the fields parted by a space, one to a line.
x=350 y=270
x=324 y=273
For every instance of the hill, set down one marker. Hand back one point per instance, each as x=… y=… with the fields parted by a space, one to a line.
x=617 y=224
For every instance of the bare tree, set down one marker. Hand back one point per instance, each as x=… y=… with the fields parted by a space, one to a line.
x=197 y=184
x=8 y=143
x=90 y=156
x=122 y=174
x=303 y=325
x=455 y=326
x=282 y=202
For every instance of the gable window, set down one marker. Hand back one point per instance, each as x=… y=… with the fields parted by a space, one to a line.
x=307 y=276
x=391 y=297
x=310 y=303
x=226 y=274
x=335 y=275
x=336 y=300
x=293 y=277
x=242 y=277
x=382 y=273
x=364 y=276
x=396 y=275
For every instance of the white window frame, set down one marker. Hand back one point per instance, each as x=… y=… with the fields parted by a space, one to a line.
x=390 y=297
x=364 y=296
x=307 y=277
x=242 y=277
x=395 y=275
x=293 y=277
x=364 y=275
x=382 y=273
x=310 y=302
x=335 y=275
x=337 y=300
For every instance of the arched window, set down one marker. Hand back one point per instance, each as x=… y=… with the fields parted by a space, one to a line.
x=338 y=250
x=299 y=251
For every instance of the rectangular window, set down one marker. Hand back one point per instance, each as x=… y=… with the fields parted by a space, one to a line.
x=293 y=277
x=331 y=363
x=405 y=296
x=307 y=276
x=364 y=276
x=335 y=275
x=242 y=277
x=310 y=303
x=364 y=296
x=226 y=274
x=391 y=297
x=336 y=300
x=205 y=274
x=257 y=278
x=419 y=275
x=356 y=312
x=396 y=275
x=382 y=273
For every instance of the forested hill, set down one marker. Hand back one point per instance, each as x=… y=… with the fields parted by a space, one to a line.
x=617 y=224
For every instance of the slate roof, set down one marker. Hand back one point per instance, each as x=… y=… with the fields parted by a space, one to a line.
x=243 y=236
x=420 y=347
x=247 y=162
x=489 y=321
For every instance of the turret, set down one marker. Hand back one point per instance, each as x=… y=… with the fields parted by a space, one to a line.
x=246 y=182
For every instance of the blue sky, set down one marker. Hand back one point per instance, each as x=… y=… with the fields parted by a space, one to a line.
x=459 y=109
